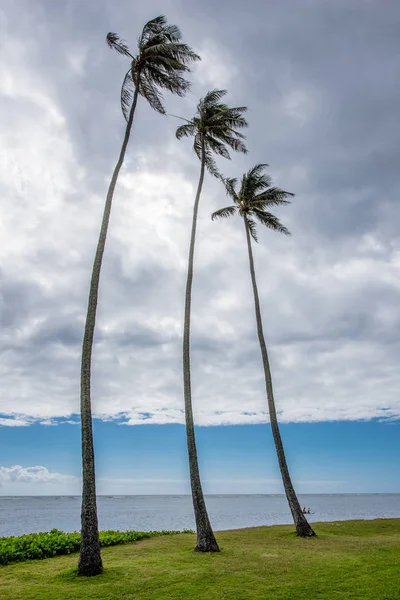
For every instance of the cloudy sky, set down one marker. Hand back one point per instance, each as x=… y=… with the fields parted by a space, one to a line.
x=321 y=80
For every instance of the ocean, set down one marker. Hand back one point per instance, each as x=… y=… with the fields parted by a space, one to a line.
x=28 y=514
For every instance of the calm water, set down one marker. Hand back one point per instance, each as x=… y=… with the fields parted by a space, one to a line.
x=20 y=515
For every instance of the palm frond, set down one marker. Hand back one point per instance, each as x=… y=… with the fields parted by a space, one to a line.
x=222 y=124
x=176 y=85
x=261 y=204
x=223 y=131
x=273 y=196
x=186 y=130
x=253 y=181
x=197 y=146
x=270 y=221
x=224 y=213
x=164 y=65
x=234 y=143
x=153 y=27
x=217 y=147
x=127 y=91
x=170 y=81
x=117 y=44
x=172 y=33
x=169 y=50
x=230 y=185
x=228 y=117
x=211 y=165
x=212 y=98
x=157 y=28
x=252 y=228
x=257 y=170
x=152 y=95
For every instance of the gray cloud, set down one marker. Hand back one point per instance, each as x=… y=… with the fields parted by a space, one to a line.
x=321 y=83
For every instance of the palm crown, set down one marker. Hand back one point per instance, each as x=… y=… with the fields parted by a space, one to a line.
x=214 y=128
x=255 y=195
x=160 y=63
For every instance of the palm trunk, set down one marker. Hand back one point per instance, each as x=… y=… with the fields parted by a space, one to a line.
x=206 y=541
x=303 y=528
x=90 y=559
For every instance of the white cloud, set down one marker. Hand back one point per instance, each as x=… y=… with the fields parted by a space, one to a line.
x=14 y=422
x=216 y=69
x=36 y=475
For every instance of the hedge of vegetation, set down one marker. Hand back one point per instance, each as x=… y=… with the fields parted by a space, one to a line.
x=55 y=543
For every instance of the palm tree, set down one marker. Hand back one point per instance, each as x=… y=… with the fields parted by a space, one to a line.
x=214 y=128
x=254 y=197
x=159 y=64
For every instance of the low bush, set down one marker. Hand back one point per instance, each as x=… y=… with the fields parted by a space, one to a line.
x=55 y=543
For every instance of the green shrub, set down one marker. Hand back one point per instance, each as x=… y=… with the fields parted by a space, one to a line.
x=55 y=543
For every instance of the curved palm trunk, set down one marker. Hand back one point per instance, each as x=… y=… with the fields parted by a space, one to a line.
x=303 y=528
x=90 y=559
x=206 y=541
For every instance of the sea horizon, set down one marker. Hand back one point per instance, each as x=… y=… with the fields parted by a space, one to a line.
x=148 y=512
x=189 y=495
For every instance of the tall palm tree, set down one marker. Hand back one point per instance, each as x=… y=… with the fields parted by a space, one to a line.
x=254 y=197
x=214 y=128
x=159 y=64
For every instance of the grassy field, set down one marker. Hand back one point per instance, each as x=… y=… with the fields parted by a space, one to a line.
x=349 y=560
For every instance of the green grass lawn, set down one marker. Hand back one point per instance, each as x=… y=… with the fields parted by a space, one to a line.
x=348 y=560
